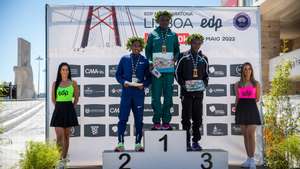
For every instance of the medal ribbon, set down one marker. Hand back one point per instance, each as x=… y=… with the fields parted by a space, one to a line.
x=195 y=62
x=134 y=66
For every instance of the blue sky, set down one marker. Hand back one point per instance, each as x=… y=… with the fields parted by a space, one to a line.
x=26 y=19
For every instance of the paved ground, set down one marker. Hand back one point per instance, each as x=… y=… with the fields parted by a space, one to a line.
x=99 y=167
x=30 y=127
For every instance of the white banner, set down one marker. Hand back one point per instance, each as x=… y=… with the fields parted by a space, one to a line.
x=92 y=40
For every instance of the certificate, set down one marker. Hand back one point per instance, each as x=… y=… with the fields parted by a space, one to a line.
x=163 y=62
x=194 y=85
x=134 y=84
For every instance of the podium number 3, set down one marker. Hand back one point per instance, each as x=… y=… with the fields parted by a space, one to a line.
x=165 y=139
x=127 y=156
x=207 y=160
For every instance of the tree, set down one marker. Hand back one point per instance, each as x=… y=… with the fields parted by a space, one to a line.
x=282 y=121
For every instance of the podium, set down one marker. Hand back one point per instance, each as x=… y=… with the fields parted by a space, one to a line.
x=166 y=150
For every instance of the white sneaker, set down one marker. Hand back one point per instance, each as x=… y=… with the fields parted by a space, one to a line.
x=246 y=163
x=61 y=164
x=252 y=164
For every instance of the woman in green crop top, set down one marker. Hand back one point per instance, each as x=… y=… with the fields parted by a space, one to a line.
x=65 y=95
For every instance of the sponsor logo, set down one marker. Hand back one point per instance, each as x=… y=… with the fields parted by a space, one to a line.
x=94 y=110
x=94 y=130
x=242 y=21
x=112 y=69
x=94 y=90
x=114 y=110
x=148 y=111
x=75 y=131
x=201 y=131
x=115 y=90
x=216 y=90
x=62 y=92
x=209 y=22
x=232 y=90
x=146 y=127
x=175 y=90
x=147 y=92
x=217 y=71
x=113 y=130
x=175 y=110
x=175 y=126
x=77 y=110
x=235 y=70
x=217 y=129
x=235 y=129
x=75 y=70
x=94 y=70
x=216 y=109
x=233 y=109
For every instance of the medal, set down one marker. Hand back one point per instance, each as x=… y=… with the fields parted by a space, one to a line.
x=195 y=72
x=163 y=49
x=134 y=78
x=164 y=42
x=195 y=65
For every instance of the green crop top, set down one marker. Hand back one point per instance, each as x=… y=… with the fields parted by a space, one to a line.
x=65 y=94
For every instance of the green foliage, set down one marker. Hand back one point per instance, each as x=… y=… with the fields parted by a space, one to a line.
x=291 y=146
x=162 y=13
x=40 y=155
x=276 y=160
x=285 y=154
x=131 y=40
x=194 y=36
x=282 y=121
x=281 y=82
x=2 y=90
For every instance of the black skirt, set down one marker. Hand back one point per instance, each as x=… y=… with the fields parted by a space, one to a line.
x=247 y=112
x=64 y=115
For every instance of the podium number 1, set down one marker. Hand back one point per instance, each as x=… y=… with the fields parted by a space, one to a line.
x=165 y=139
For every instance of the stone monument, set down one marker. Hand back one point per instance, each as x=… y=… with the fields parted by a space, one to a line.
x=23 y=72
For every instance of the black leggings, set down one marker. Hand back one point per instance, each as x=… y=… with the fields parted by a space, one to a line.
x=192 y=109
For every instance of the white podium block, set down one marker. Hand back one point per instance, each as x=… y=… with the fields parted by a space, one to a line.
x=123 y=160
x=165 y=141
x=166 y=150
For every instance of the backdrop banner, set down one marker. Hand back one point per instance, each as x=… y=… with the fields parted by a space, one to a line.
x=92 y=40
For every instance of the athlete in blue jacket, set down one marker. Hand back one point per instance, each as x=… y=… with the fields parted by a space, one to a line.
x=133 y=74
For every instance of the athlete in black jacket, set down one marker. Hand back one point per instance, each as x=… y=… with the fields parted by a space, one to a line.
x=192 y=75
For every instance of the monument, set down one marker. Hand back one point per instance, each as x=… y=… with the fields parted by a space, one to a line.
x=23 y=71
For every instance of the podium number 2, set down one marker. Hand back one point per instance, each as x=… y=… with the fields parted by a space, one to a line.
x=127 y=156
x=165 y=139
x=207 y=160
